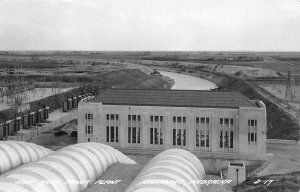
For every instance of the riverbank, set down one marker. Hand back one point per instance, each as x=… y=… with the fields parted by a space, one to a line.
x=280 y=124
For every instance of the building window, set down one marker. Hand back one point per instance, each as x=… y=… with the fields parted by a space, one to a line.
x=197 y=138
x=151 y=135
x=89 y=139
x=107 y=133
x=221 y=139
x=179 y=131
x=226 y=133
x=112 y=130
x=202 y=120
x=88 y=129
x=134 y=129
x=178 y=119
x=202 y=133
x=112 y=134
x=252 y=131
x=226 y=139
x=89 y=116
x=156 y=130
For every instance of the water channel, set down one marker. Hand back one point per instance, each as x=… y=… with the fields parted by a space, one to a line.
x=188 y=82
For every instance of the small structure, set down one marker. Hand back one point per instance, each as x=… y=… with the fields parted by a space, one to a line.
x=46 y=113
x=32 y=120
x=74 y=102
x=236 y=172
x=6 y=129
x=39 y=115
x=17 y=124
x=2 y=131
x=25 y=120
x=69 y=104
x=65 y=105
x=42 y=114
x=10 y=127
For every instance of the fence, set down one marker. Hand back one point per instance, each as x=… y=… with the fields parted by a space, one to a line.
x=33 y=132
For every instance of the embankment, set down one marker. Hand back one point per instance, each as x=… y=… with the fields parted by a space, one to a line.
x=280 y=124
x=135 y=79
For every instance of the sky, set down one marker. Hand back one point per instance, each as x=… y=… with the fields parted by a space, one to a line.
x=154 y=25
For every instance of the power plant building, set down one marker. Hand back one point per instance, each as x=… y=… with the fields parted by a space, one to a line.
x=210 y=124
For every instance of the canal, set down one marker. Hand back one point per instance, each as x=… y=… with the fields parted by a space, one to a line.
x=188 y=82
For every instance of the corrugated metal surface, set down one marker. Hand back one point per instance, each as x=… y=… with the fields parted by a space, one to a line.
x=179 y=98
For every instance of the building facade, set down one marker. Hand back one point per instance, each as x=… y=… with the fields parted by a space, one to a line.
x=208 y=123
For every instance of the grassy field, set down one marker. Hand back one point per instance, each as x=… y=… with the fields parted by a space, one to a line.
x=279 y=91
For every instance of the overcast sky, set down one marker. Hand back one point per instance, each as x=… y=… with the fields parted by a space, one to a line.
x=200 y=25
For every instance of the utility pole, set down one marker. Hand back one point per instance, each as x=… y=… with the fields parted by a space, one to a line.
x=290 y=90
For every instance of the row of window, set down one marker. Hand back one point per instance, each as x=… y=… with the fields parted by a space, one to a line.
x=202 y=120
x=179 y=119
x=156 y=118
x=225 y=121
x=252 y=123
x=112 y=117
x=134 y=118
x=179 y=136
x=179 y=131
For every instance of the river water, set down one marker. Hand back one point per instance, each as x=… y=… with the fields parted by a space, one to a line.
x=189 y=82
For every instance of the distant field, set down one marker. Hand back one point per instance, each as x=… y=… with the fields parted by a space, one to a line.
x=278 y=66
x=277 y=61
x=279 y=91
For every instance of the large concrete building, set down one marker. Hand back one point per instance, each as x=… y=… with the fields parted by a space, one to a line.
x=211 y=124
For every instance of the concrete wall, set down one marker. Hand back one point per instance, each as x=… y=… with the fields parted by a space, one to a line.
x=241 y=148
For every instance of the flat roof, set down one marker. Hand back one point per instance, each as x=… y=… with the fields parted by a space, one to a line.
x=173 y=98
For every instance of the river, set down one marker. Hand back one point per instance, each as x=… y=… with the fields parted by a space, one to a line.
x=188 y=82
